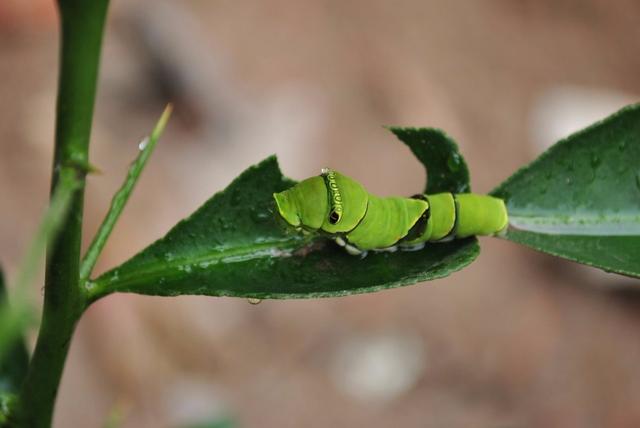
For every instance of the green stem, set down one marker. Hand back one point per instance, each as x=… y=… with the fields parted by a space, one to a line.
x=121 y=197
x=82 y=24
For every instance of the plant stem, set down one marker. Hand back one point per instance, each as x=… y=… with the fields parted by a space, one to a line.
x=122 y=196
x=82 y=24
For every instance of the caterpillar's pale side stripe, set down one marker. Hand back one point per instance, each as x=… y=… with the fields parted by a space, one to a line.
x=340 y=207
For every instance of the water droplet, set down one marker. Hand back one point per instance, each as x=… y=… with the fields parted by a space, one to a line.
x=207 y=263
x=143 y=144
x=568 y=180
x=42 y=290
x=168 y=256
x=254 y=301
x=260 y=216
x=223 y=224
x=185 y=268
x=454 y=161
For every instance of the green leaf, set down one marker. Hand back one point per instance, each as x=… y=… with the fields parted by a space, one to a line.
x=121 y=197
x=581 y=198
x=235 y=245
x=446 y=169
x=8 y=403
x=14 y=359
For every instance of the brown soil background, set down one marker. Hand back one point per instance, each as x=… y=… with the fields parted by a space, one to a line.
x=518 y=339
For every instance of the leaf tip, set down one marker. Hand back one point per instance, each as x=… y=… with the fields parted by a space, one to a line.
x=162 y=122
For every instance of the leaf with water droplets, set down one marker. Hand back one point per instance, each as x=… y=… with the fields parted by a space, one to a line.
x=236 y=245
x=589 y=210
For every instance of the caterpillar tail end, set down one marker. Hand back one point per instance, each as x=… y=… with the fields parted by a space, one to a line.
x=505 y=221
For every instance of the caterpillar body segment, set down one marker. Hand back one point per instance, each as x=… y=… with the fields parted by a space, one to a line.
x=340 y=207
x=394 y=216
x=479 y=215
x=460 y=215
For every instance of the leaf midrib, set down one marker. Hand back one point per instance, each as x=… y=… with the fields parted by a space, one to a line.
x=595 y=224
x=178 y=266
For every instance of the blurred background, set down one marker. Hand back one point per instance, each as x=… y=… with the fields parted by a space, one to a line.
x=518 y=339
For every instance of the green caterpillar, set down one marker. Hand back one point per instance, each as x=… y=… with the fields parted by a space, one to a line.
x=341 y=208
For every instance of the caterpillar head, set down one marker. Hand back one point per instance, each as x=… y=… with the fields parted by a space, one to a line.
x=331 y=202
x=305 y=204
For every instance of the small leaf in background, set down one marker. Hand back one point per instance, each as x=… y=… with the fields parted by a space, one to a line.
x=7 y=403
x=16 y=317
x=14 y=360
x=581 y=198
x=236 y=245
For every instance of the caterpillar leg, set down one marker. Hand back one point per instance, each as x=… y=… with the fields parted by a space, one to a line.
x=355 y=251
x=413 y=247
x=351 y=249
x=391 y=249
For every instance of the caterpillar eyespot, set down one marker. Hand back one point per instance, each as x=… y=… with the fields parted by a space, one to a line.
x=334 y=217
x=340 y=207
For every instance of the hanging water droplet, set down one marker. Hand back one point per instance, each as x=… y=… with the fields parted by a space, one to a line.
x=42 y=290
x=254 y=301
x=143 y=144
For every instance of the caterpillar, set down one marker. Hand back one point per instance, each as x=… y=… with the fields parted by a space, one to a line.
x=340 y=207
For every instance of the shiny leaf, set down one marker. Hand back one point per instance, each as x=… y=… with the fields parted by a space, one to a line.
x=235 y=244
x=581 y=198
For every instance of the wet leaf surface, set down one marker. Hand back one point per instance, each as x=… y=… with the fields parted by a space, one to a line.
x=236 y=245
x=581 y=198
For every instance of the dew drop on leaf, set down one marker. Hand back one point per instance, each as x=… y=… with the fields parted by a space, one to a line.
x=453 y=163
x=254 y=301
x=259 y=216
